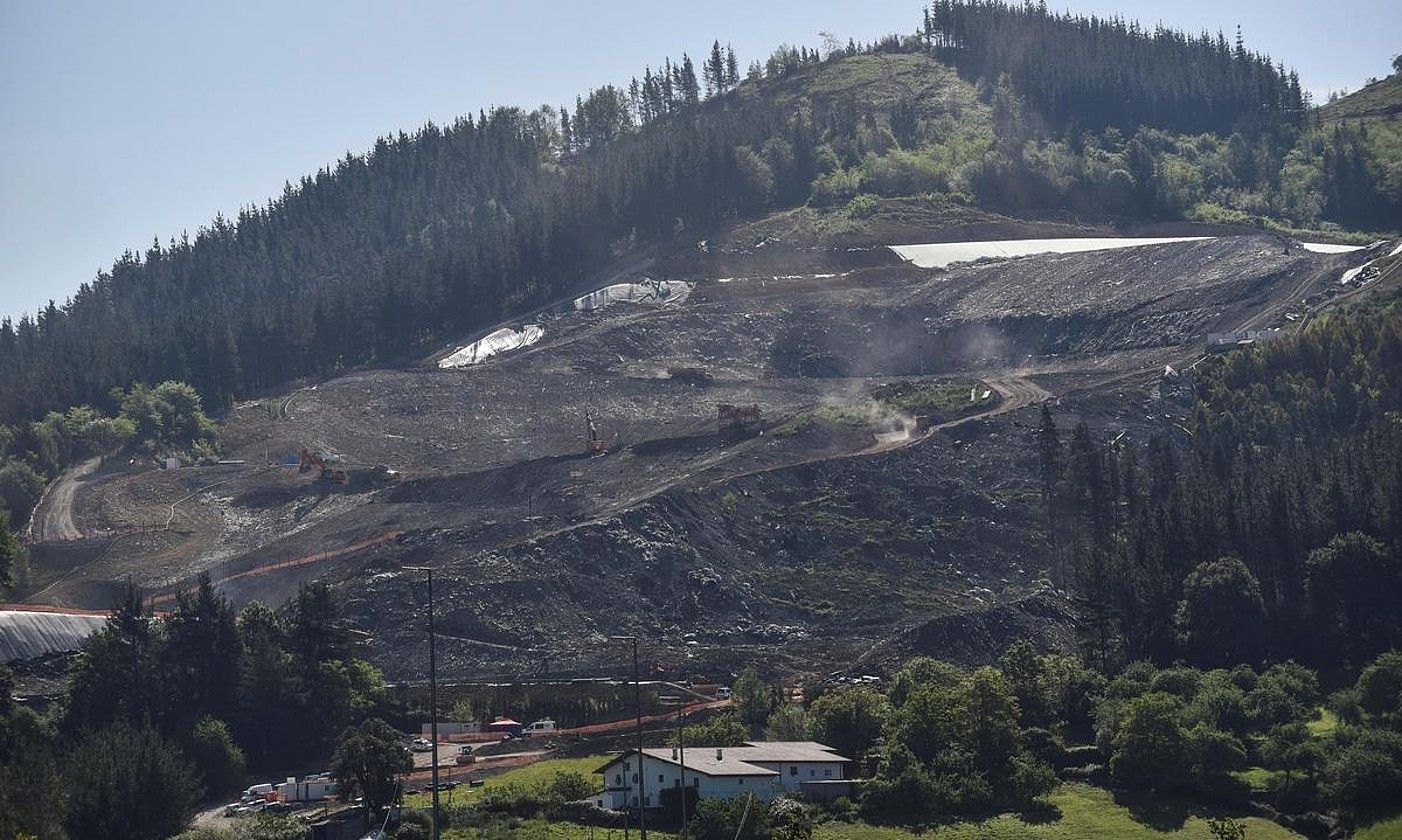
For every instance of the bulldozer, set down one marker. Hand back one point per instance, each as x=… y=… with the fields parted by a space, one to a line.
x=329 y=470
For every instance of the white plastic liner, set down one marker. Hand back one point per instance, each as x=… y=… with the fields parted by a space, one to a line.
x=29 y=635
x=655 y=292
x=942 y=254
x=1330 y=248
x=501 y=341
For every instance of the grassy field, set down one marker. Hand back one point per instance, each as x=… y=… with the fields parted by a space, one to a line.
x=542 y=830
x=1324 y=725
x=1385 y=830
x=1259 y=778
x=538 y=773
x=1078 y=812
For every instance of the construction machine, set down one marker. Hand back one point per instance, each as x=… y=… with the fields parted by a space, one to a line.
x=596 y=443
x=735 y=418
x=329 y=470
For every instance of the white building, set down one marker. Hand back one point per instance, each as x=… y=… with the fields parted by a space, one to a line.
x=764 y=768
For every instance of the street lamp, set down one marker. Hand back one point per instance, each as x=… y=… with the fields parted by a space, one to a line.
x=432 y=692
x=638 y=702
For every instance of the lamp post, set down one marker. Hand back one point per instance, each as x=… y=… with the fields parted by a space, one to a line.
x=432 y=692
x=638 y=702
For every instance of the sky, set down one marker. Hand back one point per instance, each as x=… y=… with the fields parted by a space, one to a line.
x=125 y=122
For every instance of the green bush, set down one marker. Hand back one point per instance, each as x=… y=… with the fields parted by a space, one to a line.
x=1365 y=775
x=863 y=206
x=740 y=818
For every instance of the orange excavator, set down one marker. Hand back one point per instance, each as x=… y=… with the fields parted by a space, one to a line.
x=329 y=470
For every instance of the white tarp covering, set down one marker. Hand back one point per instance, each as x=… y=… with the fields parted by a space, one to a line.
x=501 y=341
x=28 y=635
x=1329 y=248
x=942 y=254
x=660 y=292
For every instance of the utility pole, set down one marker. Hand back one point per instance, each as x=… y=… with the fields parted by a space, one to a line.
x=681 y=753
x=638 y=702
x=432 y=692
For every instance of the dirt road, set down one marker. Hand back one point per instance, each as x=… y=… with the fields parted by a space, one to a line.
x=53 y=516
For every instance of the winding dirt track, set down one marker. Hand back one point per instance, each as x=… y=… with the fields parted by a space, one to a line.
x=1016 y=392
x=53 y=516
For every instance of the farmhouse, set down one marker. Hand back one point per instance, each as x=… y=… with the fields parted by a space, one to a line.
x=765 y=769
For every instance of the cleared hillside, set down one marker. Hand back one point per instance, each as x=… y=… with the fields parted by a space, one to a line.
x=837 y=530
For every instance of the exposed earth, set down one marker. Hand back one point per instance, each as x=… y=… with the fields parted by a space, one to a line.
x=836 y=532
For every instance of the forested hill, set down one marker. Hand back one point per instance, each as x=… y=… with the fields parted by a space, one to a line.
x=1097 y=72
x=427 y=236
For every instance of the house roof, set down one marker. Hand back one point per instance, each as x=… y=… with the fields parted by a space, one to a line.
x=739 y=761
x=787 y=751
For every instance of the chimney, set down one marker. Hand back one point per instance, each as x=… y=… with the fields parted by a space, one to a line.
x=720 y=756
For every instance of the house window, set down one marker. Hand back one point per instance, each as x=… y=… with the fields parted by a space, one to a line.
x=695 y=782
x=742 y=780
x=793 y=769
x=812 y=773
x=827 y=771
x=676 y=783
x=618 y=778
x=635 y=777
x=660 y=778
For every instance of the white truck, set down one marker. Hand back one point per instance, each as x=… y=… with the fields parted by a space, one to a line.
x=544 y=726
x=308 y=789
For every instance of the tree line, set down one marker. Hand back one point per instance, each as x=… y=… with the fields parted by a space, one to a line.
x=1098 y=72
x=1273 y=532
x=160 y=710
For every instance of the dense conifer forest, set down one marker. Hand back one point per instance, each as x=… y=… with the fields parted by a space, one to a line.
x=1272 y=532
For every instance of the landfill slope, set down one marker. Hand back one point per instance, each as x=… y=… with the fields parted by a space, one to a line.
x=882 y=500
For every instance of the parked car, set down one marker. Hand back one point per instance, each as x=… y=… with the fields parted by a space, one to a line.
x=723 y=693
x=421 y=745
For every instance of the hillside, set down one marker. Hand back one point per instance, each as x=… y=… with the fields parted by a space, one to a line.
x=384 y=256
x=469 y=299
x=1382 y=100
x=792 y=538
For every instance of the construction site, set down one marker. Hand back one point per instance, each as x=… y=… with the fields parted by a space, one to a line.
x=828 y=469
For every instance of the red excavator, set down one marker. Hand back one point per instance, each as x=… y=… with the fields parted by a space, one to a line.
x=329 y=469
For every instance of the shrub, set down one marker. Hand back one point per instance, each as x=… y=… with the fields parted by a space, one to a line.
x=740 y=818
x=863 y=206
x=789 y=819
x=1366 y=774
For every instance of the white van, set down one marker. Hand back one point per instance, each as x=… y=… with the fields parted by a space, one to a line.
x=544 y=726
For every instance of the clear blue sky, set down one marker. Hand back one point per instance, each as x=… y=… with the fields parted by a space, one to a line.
x=126 y=121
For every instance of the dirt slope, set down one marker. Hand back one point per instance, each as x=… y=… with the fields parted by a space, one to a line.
x=836 y=532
